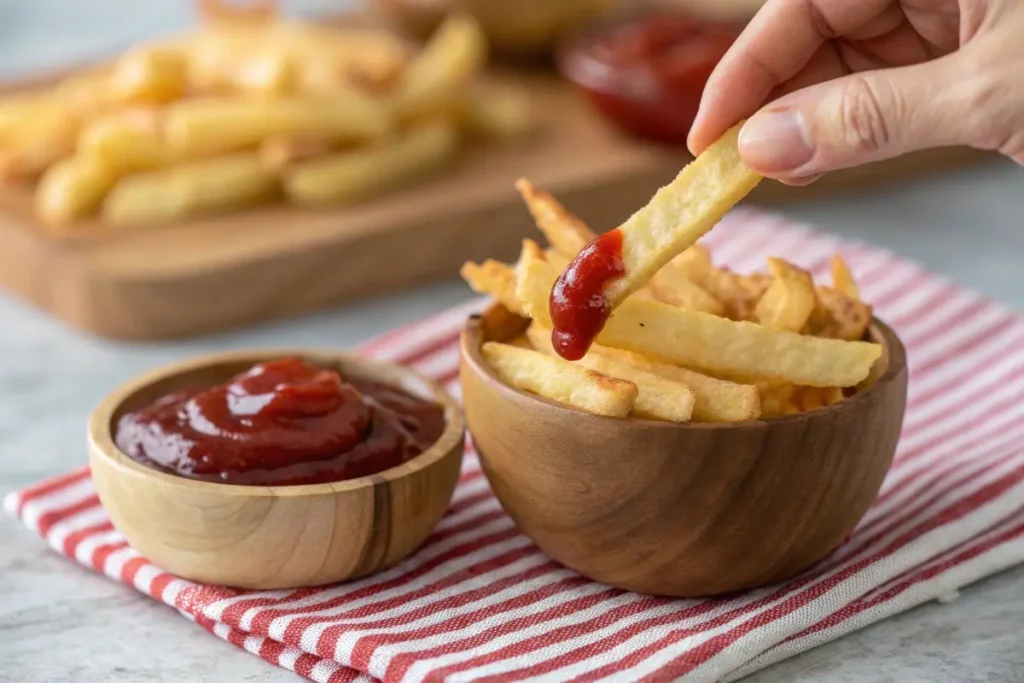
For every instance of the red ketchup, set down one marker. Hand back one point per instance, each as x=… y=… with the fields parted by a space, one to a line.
x=281 y=423
x=577 y=304
x=647 y=73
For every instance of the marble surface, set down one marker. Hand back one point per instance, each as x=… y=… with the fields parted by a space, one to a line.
x=966 y=225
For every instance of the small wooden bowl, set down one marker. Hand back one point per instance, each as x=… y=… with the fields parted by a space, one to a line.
x=681 y=509
x=273 y=537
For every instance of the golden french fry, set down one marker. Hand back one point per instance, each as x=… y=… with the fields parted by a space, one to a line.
x=496 y=112
x=560 y=381
x=72 y=189
x=284 y=152
x=658 y=397
x=811 y=398
x=150 y=74
x=672 y=287
x=190 y=189
x=349 y=176
x=838 y=316
x=563 y=230
x=39 y=144
x=832 y=395
x=127 y=142
x=451 y=58
x=789 y=300
x=557 y=259
x=707 y=342
x=24 y=111
x=681 y=213
x=214 y=125
x=494 y=279
x=842 y=278
x=267 y=74
x=715 y=400
x=521 y=341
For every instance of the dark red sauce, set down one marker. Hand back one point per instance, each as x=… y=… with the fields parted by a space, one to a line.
x=647 y=72
x=578 y=306
x=281 y=423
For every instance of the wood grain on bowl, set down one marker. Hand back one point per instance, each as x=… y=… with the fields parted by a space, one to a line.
x=273 y=537
x=689 y=509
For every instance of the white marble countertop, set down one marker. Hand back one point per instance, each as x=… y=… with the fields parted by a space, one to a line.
x=61 y=623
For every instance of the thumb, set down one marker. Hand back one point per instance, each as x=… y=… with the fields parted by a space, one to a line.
x=861 y=118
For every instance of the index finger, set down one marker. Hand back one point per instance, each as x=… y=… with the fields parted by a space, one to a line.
x=779 y=41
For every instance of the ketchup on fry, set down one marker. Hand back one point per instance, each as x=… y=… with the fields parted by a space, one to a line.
x=577 y=304
x=281 y=423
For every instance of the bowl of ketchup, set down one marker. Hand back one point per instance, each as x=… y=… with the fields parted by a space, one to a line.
x=276 y=469
x=646 y=72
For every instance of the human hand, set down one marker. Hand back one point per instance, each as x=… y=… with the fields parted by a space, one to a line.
x=836 y=83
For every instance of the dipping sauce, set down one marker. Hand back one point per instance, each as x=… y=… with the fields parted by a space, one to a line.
x=281 y=423
x=577 y=304
x=647 y=73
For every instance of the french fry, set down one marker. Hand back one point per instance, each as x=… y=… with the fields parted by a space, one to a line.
x=494 y=279
x=451 y=58
x=206 y=126
x=790 y=299
x=190 y=189
x=658 y=397
x=128 y=142
x=838 y=316
x=150 y=74
x=21 y=112
x=681 y=213
x=706 y=342
x=715 y=400
x=72 y=189
x=284 y=152
x=560 y=381
x=672 y=287
x=349 y=176
x=493 y=112
x=41 y=143
x=842 y=278
x=563 y=230
x=270 y=74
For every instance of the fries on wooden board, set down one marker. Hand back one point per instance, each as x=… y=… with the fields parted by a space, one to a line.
x=698 y=342
x=336 y=115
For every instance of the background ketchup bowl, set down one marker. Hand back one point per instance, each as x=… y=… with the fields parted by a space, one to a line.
x=646 y=72
x=681 y=509
x=273 y=537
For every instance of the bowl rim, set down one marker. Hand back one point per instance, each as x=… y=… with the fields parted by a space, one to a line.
x=893 y=351
x=102 y=444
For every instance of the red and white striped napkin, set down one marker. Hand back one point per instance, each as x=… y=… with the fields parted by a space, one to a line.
x=480 y=602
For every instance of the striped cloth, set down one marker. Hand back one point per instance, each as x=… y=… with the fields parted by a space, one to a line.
x=480 y=602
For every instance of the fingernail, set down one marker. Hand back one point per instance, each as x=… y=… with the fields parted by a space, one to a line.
x=776 y=142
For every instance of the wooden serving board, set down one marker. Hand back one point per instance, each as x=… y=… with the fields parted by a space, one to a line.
x=241 y=268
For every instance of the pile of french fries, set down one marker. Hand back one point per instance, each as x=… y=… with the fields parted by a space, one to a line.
x=687 y=340
x=247 y=108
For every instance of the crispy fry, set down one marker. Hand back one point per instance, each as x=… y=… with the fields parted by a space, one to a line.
x=681 y=213
x=672 y=287
x=454 y=55
x=127 y=142
x=710 y=343
x=284 y=152
x=189 y=189
x=837 y=316
x=563 y=230
x=658 y=397
x=150 y=74
x=496 y=112
x=21 y=112
x=72 y=189
x=716 y=400
x=560 y=381
x=267 y=74
x=842 y=278
x=789 y=301
x=349 y=176
x=38 y=145
x=222 y=124
x=494 y=279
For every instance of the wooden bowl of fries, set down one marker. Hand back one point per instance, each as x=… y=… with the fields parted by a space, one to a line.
x=714 y=431
x=681 y=508
x=273 y=536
